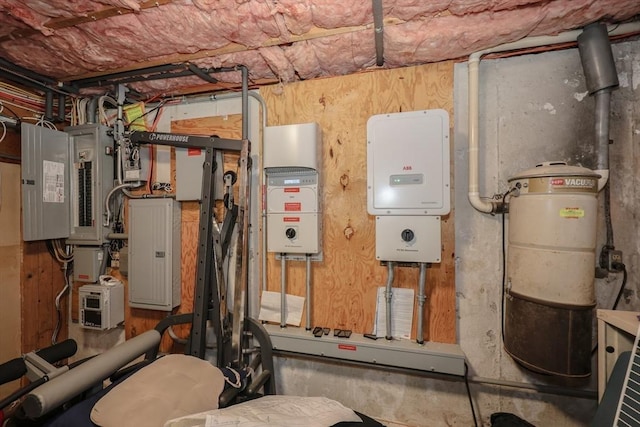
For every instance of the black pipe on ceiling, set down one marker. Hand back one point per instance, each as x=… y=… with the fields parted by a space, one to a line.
x=28 y=78
x=108 y=79
x=160 y=72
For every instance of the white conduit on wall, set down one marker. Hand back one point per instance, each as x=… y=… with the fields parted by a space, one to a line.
x=484 y=204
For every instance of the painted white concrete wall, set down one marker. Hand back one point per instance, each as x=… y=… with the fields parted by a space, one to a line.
x=534 y=108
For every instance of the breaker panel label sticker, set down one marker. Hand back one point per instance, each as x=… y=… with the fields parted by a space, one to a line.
x=348 y=347
x=52 y=182
x=572 y=213
x=292 y=190
x=292 y=207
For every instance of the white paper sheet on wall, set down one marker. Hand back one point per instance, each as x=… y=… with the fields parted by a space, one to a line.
x=270 y=308
x=401 y=313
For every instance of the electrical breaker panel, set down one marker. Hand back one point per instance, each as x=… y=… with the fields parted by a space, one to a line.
x=45 y=183
x=292 y=196
x=65 y=179
x=91 y=180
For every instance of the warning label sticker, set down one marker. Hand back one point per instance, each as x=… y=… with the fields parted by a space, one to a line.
x=292 y=207
x=572 y=213
x=52 y=182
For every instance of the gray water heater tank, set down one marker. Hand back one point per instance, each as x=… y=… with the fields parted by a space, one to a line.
x=550 y=293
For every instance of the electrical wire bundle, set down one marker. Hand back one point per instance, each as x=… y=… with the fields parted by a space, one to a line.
x=64 y=255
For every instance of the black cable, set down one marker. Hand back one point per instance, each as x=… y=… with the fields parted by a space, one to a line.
x=466 y=383
x=504 y=264
x=160 y=105
x=607 y=214
x=622 y=285
x=11 y=111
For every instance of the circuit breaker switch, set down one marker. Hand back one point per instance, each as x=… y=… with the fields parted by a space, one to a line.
x=407 y=235
x=290 y=233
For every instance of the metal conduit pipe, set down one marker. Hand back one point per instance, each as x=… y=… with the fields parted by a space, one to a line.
x=601 y=78
x=263 y=105
x=202 y=74
x=480 y=203
x=61 y=107
x=283 y=290
x=308 y=292
x=422 y=279
x=107 y=210
x=602 y=114
x=388 y=294
x=245 y=101
x=92 y=110
x=378 y=29
x=541 y=388
x=48 y=105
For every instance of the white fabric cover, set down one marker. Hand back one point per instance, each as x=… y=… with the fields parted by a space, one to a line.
x=273 y=411
x=172 y=386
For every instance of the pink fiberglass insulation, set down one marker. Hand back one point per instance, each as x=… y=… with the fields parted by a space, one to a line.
x=281 y=40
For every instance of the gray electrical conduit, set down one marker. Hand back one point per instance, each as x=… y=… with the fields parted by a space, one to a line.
x=308 y=292
x=422 y=279
x=388 y=294
x=283 y=290
x=263 y=105
x=483 y=204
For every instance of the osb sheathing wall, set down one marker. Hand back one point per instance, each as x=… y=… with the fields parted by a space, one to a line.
x=345 y=281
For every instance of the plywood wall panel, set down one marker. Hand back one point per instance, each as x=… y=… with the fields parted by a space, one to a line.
x=344 y=284
x=42 y=279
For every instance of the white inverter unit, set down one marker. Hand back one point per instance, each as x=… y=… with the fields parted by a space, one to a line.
x=154 y=253
x=408 y=183
x=291 y=164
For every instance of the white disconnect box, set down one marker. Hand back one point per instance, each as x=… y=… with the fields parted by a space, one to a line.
x=291 y=161
x=408 y=183
x=154 y=253
x=408 y=238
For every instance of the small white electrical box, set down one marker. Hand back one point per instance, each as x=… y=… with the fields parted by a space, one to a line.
x=408 y=238
x=86 y=263
x=102 y=306
x=408 y=163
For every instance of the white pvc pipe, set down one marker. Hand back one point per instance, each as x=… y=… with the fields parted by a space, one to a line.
x=479 y=203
